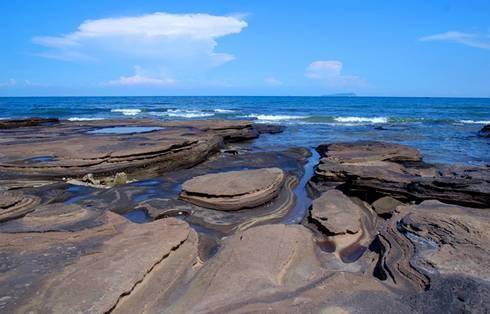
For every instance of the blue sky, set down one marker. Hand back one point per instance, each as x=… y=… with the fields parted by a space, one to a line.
x=245 y=47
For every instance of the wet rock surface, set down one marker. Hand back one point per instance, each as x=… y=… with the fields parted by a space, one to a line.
x=12 y=124
x=234 y=190
x=485 y=131
x=170 y=221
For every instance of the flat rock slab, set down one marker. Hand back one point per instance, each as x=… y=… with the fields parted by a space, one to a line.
x=234 y=190
x=364 y=151
x=12 y=124
x=74 y=149
x=337 y=213
x=90 y=270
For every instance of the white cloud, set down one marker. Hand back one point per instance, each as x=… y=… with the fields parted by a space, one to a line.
x=11 y=82
x=140 y=78
x=272 y=81
x=175 y=38
x=329 y=72
x=468 y=39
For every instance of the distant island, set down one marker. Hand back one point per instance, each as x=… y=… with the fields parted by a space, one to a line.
x=341 y=95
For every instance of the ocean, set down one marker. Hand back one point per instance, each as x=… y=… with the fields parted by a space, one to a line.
x=443 y=129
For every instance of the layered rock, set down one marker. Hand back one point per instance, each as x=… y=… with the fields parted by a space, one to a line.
x=234 y=190
x=451 y=239
x=375 y=169
x=12 y=124
x=85 y=260
x=436 y=247
x=16 y=204
x=72 y=149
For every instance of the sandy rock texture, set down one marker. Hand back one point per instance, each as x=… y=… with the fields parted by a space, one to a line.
x=234 y=190
x=76 y=260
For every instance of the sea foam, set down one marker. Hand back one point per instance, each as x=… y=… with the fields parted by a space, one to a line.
x=361 y=119
x=177 y=113
x=475 y=122
x=84 y=119
x=266 y=117
x=223 y=110
x=127 y=111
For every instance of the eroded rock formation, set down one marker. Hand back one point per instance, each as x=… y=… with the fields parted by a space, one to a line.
x=69 y=149
x=234 y=190
x=14 y=204
x=375 y=169
x=379 y=237
x=83 y=260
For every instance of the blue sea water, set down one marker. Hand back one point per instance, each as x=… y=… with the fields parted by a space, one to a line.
x=444 y=129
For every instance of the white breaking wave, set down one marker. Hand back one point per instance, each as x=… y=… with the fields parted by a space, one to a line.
x=266 y=117
x=177 y=113
x=361 y=119
x=223 y=110
x=475 y=122
x=84 y=119
x=127 y=112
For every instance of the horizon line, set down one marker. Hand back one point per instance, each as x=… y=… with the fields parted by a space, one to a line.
x=316 y=96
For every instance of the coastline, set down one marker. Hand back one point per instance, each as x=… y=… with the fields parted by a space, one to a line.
x=143 y=213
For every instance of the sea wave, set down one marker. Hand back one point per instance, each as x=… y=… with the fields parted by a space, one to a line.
x=84 y=119
x=475 y=121
x=127 y=111
x=178 y=113
x=361 y=119
x=267 y=117
x=223 y=110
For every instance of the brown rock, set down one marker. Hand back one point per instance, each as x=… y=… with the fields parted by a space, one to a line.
x=385 y=205
x=336 y=212
x=375 y=169
x=258 y=265
x=15 y=204
x=70 y=149
x=92 y=269
x=365 y=151
x=234 y=190
x=451 y=239
x=12 y=124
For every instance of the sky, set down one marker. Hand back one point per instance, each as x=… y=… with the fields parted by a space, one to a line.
x=245 y=47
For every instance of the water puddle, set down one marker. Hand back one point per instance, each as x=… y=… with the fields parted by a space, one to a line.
x=138 y=216
x=38 y=159
x=303 y=200
x=126 y=130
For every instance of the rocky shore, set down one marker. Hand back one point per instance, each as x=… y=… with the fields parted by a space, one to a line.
x=125 y=216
